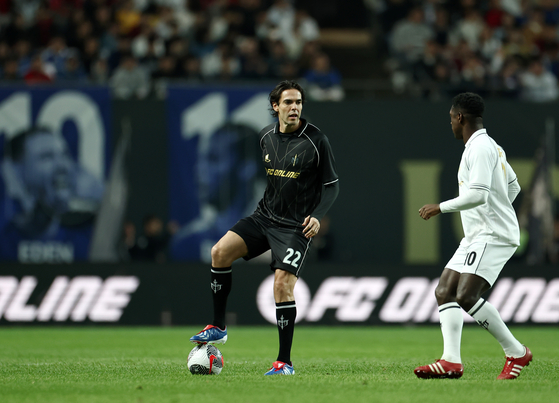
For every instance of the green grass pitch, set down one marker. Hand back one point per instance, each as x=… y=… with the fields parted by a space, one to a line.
x=332 y=364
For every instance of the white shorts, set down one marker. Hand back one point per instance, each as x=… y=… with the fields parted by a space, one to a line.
x=482 y=259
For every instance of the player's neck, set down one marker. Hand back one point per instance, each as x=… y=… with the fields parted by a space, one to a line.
x=288 y=129
x=470 y=131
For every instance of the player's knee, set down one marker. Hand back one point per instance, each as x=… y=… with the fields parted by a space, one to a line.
x=283 y=290
x=442 y=293
x=219 y=256
x=466 y=301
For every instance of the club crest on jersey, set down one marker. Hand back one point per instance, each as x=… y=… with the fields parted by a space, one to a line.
x=267 y=158
x=294 y=160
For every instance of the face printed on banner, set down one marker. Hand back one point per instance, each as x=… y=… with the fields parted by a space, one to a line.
x=47 y=171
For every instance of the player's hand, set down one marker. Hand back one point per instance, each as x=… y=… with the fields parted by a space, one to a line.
x=429 y=210
x=312 y=226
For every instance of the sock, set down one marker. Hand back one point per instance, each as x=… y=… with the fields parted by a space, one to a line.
x=451 y=326
x=286 y=312
x=487 y=316
x=221 y=286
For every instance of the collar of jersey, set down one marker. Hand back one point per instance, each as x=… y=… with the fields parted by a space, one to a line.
x=476 y=133
x=297 y=132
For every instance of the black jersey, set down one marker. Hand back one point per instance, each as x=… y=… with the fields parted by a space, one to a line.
x=297 y=166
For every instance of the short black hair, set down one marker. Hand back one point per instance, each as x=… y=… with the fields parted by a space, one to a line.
x=469 y=104
x=275 y=95
x=15 y=147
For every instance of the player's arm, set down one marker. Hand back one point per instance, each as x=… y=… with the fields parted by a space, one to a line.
x=513 y=185
x=481 y=161
x=330 y=190
x=481 y=165
x=329 y=195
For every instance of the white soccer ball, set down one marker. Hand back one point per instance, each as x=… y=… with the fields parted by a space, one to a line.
x=205 y=359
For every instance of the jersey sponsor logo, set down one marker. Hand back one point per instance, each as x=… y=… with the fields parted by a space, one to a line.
x=282 y=173
x=410 y=300
x=67 y=299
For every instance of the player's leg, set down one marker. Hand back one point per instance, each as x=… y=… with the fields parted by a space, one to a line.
x=246 y=239
x=228 y=249
x=289 y=251
x=286 y=313
x=450 y=316
x=484 y=264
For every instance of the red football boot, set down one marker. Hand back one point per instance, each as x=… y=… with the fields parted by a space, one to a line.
x=513 y=366
x=440 y=369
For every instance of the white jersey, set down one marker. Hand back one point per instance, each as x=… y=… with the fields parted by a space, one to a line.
x=484 y=168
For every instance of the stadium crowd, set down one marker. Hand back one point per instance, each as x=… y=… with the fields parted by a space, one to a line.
x=508 y=48
x=136 y=46
x=436 y=48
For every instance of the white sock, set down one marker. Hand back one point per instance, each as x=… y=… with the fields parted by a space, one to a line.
x=451 y=325
x=487 y=316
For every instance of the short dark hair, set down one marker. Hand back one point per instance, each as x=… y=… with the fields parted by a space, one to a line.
x=15 y=147
x=469 y=104
x=275 y=95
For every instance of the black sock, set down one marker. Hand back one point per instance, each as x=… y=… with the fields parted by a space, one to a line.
x=221 y=286
x=286 y=312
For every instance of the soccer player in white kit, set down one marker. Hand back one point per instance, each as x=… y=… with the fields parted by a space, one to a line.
x=487 y=187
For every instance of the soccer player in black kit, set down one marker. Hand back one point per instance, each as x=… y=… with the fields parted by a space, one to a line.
x=302 y=186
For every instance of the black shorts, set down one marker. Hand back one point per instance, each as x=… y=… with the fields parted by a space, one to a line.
x=289 y=246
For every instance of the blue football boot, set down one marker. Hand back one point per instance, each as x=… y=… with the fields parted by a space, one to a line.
x=281 y=368
x=211 y=334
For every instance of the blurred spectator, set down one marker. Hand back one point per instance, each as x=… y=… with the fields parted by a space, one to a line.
x=191 y=69
x=305 y=29
x=36 y=73
x=409 y=37
x=538 y=84
x=73 y=71
x=128 y=247
x=253 y=64
x=166 y=71
x=130 y=80
x=394 y=12
x=123 y=49
x=23 y=53
x=56 y=54
x=441 y=26
x=222 y=63
x=508 y=81
x=323 y=81
x=152 y=244
x=146 y=39
x=99 y=73
x=91 y=53
x=469 y=29
x=127 y=17
x=277 y=56
x=10 y=71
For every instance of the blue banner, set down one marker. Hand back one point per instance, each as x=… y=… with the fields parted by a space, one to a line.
x=214 y=163
x=54 y=161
